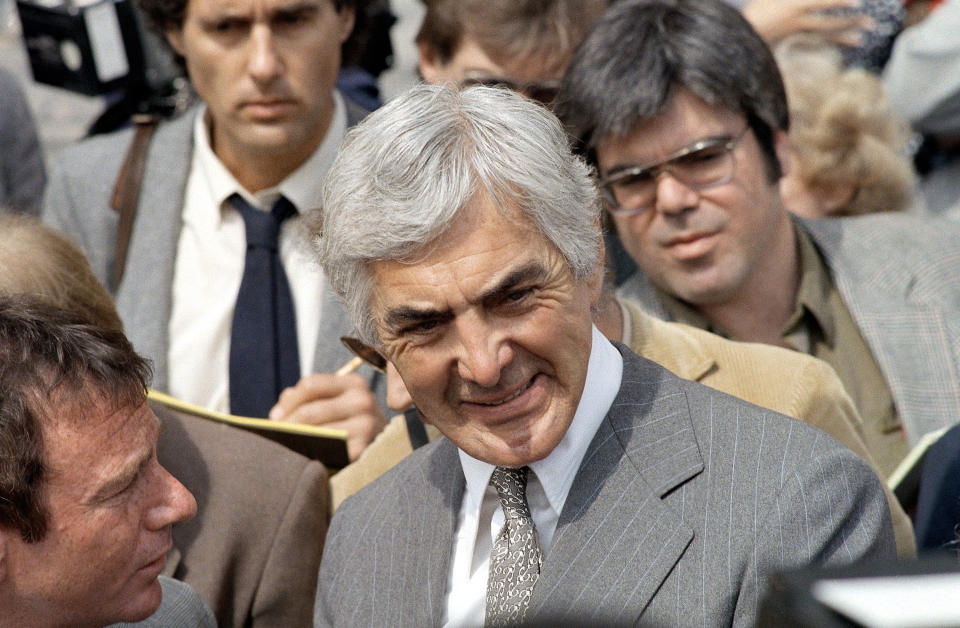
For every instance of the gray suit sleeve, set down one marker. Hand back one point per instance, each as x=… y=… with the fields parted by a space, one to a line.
x=22 y=173
x=830 y=511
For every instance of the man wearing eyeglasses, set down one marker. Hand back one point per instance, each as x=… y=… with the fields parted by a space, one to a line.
x=681 y=107
x=523 y=45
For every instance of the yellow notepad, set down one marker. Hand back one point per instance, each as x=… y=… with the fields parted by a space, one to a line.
x=327 y=445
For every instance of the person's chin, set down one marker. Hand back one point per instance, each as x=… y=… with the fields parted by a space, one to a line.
x=517 y=457
x=142 y=602
x=269 y=137
x=525 y=443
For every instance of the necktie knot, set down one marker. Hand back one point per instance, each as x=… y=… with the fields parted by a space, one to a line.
x=511 y=485
x=263 y=228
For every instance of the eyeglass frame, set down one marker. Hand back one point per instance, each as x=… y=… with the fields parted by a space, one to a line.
x=527 y=88
x=663 y=165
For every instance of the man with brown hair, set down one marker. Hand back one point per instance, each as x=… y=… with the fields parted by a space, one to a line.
x=217 y=290
x=681 y=107
x=86 y=510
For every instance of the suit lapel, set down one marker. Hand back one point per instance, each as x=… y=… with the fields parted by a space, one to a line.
x=144 y=296
x=616 y=541
x=330 y=354
x=914 y=342
x=410 y=587
x=444 y=495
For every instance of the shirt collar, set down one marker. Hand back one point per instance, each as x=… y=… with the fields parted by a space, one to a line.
x=814 y=291
x=682 y=312
x=301 y=187
x=557 y=471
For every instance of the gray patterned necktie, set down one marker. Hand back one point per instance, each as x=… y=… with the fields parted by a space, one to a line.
x=515 y=558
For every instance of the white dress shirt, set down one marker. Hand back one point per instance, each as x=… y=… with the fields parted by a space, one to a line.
x=210 y=258
x=481 y=516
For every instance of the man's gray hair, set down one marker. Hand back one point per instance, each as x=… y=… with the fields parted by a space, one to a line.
x=403 y=175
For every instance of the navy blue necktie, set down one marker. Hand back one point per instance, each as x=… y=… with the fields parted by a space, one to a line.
x=264 y=358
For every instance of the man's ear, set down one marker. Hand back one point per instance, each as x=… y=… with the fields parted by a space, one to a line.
x=175 y=39
x=429 y=63
x=347 y=17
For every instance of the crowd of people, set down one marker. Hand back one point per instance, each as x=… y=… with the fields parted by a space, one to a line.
x=661 y=294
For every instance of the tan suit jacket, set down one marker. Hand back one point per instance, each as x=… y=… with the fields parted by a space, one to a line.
x=787 y=382
x=253 y=550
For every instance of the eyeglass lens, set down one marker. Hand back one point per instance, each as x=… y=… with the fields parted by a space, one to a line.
x=703 y=168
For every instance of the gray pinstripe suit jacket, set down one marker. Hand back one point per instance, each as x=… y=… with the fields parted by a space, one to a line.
x=686 y=499
x=77 y=202
x=899 y=275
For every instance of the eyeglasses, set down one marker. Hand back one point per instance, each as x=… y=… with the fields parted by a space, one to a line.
x=701 y=165
x=365 y=352
x=544 y=92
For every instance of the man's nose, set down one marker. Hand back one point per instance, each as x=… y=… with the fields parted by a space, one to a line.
x=176 y=506
x=265 y=63
x=673 y=196
x=482 y=352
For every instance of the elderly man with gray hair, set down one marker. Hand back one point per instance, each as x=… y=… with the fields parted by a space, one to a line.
x=576 y=481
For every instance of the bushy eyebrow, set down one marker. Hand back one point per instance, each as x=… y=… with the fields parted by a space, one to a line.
x=406 y=315
x=295 y=10
x=298 y=9
x=403 y=316
x=530 y=272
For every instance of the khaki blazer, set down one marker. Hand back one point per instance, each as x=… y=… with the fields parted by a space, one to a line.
x=254 y=548
x=787 y=382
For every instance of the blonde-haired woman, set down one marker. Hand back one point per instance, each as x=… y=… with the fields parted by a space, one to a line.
x=848 y=148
